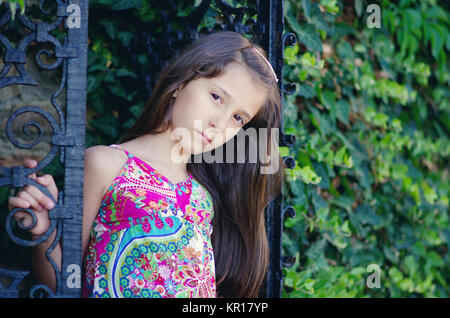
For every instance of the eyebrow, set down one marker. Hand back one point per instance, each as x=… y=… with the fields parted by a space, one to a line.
x=229 y=96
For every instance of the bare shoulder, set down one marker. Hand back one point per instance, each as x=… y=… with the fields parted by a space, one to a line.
x=103 y=155
x=103 y=159
x=102 y=164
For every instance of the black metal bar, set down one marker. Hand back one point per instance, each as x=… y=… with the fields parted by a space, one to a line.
x=269 y=12
x=271 y=16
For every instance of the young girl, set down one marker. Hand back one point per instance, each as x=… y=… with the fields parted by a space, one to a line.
x=154 y=226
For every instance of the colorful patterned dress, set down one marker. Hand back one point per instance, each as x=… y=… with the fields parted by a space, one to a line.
x=151 y=238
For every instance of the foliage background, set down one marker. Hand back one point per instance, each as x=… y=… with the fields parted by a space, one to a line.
x=371 y=116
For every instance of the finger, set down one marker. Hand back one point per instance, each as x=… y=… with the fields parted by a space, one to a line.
x=21 y=215
x=48 y=182
x=23 y=218
x=31 y=163
x=16 y=202
x=34 y=203
x=41 y=198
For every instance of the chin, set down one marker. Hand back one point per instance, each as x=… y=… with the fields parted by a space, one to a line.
x=201 y=150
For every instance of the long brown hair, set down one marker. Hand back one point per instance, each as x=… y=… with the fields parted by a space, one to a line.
x=239 y=191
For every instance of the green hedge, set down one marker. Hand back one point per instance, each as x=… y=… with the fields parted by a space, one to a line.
x=371 y=116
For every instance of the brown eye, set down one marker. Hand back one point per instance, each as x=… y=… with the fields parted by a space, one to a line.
x=216 y=97
x=242 y=120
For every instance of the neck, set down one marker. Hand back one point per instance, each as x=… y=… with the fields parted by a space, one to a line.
x=161 y=149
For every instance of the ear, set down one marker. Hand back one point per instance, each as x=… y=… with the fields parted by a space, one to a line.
x=175 y=93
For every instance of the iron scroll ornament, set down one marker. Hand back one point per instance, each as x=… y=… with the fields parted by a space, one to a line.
x=67 y=140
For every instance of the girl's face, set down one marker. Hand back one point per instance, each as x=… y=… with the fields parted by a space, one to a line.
x=215 y=107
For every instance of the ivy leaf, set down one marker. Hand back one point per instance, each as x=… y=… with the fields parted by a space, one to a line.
x=390 y=255
x=110 y=27
x=317 y=18
x=309 y=284
x=366 y=215
x=306 y=33
x=358 y=7
x=344 y=229
x=437 y=40
x=104 y=2
x=125 y=37
x=309 y=36
x=343 y=202
x=13 y=7
x=386 y=67
x=136 y=110
x=298 y=190
x=342 y=109
x=322 y=214
x=126 y=4
x=429 y=193
x=306 y=5
x=328 y=99
x=92 y=84
x=306 y=174
x=106 y=125
x=124 y=72
x=290 y=54
x=322 y=173
x=318 y=202
x=446 y=235
x=342 y=29
x=307 y=91
x=147 y=12
x=118 y=90
x=97 y=102
x=345 y=50
x=316 y=255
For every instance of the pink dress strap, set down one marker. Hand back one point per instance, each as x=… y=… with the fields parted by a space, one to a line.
x=118 y=147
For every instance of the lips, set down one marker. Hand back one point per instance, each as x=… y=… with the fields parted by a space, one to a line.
x=204 y=137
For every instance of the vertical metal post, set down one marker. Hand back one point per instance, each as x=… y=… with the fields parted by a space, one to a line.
x=74 y=156
x=271 y=15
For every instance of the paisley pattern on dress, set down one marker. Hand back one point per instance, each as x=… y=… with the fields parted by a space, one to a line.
x=151 y=238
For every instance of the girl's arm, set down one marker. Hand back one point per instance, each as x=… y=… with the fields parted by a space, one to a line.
x=101 y=165
x=100 y=168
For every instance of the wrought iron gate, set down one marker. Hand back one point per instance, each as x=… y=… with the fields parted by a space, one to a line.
x=68 y=129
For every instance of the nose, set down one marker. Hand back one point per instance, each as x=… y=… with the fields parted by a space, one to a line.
x=218 y=124
x=216 y=127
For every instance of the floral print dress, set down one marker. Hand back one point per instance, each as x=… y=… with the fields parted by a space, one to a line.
x=151 y=238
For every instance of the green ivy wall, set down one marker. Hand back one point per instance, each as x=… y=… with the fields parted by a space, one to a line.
x=371 y=115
